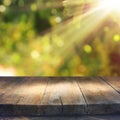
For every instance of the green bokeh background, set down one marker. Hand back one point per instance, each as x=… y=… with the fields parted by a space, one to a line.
x=34 y=40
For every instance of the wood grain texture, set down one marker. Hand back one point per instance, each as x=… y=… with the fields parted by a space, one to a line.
x=22 y=95
x=114 y=82
x=71 y=97
x=64 y=94
x=5 y=83
x=51 y=101
x=59 y=95
x=100 y=97
x=31 y=93
x=7 y=96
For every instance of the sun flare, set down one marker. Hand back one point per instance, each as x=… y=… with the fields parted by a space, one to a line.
x=111 y=5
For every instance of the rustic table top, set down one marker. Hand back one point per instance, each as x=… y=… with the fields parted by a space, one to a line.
x=59 y=95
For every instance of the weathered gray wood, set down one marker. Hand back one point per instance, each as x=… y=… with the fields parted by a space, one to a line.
x=65 y=95
x=31 y=93
x=6 y=91
x=58 y=96
x=22 y=96
x=102 y=117
x=114 y=82
x=51 y=101
x=5 y=83
x=100 y=97
x=71 y=97
x=7 y=98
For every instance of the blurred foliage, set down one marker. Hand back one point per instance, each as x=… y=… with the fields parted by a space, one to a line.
x=33 y=41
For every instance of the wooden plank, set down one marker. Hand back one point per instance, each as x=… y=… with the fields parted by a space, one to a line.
x=72 y=98
x=31 y=93
x=100 y=97
x=5 y=83
x=22 y=96
x=32 y=90
x=64 y=92
x=2 y=82
x=51 y=102
x=114 y=82
x=7 y=98
x=57 y=96
x=6 y=91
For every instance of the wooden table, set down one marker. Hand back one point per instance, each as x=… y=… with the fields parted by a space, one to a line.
x=86 y=117
x=59 y=96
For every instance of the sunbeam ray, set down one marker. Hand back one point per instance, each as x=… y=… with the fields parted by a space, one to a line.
x=77 y=29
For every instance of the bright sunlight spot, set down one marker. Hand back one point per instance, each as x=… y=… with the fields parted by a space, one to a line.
x=87 y=49
x=112 y=5
x=2 y=8
x=35 y=54
x=116 y=38
x=7 y=71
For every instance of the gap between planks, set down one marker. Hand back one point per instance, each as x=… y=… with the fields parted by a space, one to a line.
x=113 y=84
x=100 y=97
x=75 y=87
